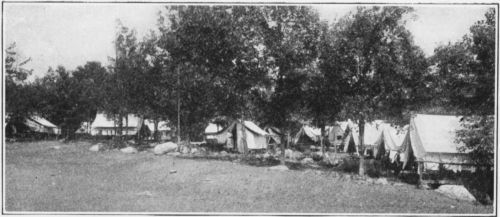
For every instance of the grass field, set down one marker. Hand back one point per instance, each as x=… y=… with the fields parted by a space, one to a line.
x=41 y=178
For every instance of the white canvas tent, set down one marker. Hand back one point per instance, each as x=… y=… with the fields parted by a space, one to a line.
x=390 y=141
x=84 y=128
x=336 y=133
x=431 y=140
x=41 y=125
x=307 y=134
x=163 y=129
x=371 y=135
x=107 y=126
x=274 y=134
x=233 y=134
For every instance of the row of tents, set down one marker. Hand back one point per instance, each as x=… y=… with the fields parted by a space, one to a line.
x=429 y=140
x=103 y=125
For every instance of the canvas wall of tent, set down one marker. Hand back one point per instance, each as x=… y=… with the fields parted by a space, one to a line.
x=371 y=135
x=275 y=135
x=106 y=125
x=336 y=134
x=33 y=124
x=430 y=140
x=232 y=136
x=306 y=137
x=164 y=132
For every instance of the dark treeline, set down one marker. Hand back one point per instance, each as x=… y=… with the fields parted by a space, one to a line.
x=277 y=65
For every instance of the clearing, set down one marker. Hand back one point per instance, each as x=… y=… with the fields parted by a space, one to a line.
x=39 y=177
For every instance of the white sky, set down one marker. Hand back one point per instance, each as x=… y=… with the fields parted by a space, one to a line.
x=72 y=34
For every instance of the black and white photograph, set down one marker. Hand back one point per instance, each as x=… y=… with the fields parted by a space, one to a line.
x=249 y=108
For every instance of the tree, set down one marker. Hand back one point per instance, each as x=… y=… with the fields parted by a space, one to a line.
x=466 y=74
x=377 y=59
x=17 y=93
x=215 y=57
x=89 y=80
x=291 y=35
x=121 y=86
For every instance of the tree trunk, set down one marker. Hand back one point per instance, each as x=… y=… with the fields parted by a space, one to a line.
x=155 y=134
x=120 y=126
x=283 y=147
x=244 y=137
x=321 y=140
x=126 y=126
x=178 y=107
x=361 y=147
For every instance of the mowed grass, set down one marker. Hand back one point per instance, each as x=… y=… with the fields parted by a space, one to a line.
x=40 y=178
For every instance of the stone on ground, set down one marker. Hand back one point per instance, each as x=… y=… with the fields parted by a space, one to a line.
x=288 y=153
x=297 y=155
x=456 y=191
x=194 y=151
x=307 y=160
x=279 y=168
x=223 y=153
x=382 y=181
x=96 y=147
x=184 y=149
x=56 y=147
x=266 y=155
x=165 y=148
x=129 y=150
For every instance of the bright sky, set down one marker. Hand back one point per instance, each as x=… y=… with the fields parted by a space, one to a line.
x=71 y=34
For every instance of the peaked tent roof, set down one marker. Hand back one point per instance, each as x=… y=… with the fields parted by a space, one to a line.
x=392 y=137
x=372 y=132
x=213 y=128
x=42 y=121
x=254 y=128
x=432 y=139
x=102 y=120
x=434 y=133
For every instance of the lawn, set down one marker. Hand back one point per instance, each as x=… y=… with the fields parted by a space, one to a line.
x=73 y=179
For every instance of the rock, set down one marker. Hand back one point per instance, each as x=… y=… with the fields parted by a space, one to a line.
x=297 y=155
x=173 y=154
x=194 y=151
x=288 y=153
x=456 y=191
x=56 y=147
x=381 y=181
x=267 y=155
x=279 y=168
x=165 y=148
x=307 y=160
x=278 y=153
x=131 y=142
x=184 y=149
x=370 y=180
x=96 y=147
x=129 y=150
x=223 y=153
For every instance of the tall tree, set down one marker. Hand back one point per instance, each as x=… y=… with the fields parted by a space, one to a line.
x=378 y=60
x=215 y=56
x=465 y=73
x=17 y=93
